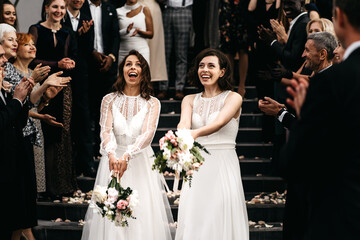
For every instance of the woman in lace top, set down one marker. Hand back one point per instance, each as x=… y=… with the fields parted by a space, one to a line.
x=216 y=197
x=128 y=121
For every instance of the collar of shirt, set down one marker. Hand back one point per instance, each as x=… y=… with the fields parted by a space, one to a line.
x=2 y=96
x=351 y=49
x=294 y=21
x=325 y=69
x=178 y=3
x=74 y=20
x=93 y=5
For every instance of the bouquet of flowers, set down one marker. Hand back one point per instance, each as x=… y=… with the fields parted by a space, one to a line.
x=179 y=152
x=115 y=202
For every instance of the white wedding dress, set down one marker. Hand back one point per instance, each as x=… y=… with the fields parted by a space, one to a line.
x=214 y=207
x=128 y=124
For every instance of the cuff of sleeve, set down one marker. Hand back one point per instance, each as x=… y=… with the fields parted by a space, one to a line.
x=20 y=102
x=272 y=42
x=281 y=117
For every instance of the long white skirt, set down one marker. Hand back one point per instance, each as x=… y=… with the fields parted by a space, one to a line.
x=153 y=213
x=214 y=206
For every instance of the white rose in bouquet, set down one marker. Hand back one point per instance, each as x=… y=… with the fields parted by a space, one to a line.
x=134 y=199
x=100 y=194
x=186 y=141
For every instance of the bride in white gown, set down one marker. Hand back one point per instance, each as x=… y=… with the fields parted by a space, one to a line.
x=214 y=206
x=129 y=118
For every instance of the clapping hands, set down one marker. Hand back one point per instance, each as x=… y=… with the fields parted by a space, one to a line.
x=40 y=73
x=267 y=35
x=85 y=27
x=66 y=63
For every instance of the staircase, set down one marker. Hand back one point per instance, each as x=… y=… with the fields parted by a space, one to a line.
x=255 y=165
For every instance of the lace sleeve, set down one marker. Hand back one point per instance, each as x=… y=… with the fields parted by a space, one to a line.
x=148 y=128
x=108 y=141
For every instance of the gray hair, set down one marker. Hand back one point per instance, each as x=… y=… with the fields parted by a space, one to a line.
x=5 y=28
x=324 y=40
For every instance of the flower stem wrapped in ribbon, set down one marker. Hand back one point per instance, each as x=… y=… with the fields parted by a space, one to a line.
x=115 y=202
x=179 y=152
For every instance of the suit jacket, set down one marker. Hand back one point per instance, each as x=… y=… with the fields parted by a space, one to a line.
x=109 y=26
x=80 y=46
x=322 y=154
x=13 y=118
x=290 y=53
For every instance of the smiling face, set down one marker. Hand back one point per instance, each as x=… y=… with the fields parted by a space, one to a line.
x=312 y=55
x=292 y=8
x=132 y=71
x=339 y=53
x=315 y=27
x=75 y=4
x=209 y=71
x=27 y=50
x=10 y=44
x=9 y=14
x=56 y=10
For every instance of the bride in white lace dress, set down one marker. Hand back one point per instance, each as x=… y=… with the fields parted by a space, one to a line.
x=129 y=118
x=214 y=206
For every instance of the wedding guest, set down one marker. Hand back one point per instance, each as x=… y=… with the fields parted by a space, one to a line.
x=13 y=115
x=136 y=26
x=8 y=14
x=233 y=27
x=80 y=27
x=52 y=42
x=213 y=117
x=104 y=62
x=129 y=117
x=157 y=43
x=177 y=20
x=322 y=152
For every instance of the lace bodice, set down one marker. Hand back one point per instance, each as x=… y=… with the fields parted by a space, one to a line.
x=127 y=122
x=205 y=111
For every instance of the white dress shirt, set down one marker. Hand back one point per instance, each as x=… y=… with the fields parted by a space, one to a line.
x=96 y=16
x=178 y=3
x=74 y=20
x=351 y=49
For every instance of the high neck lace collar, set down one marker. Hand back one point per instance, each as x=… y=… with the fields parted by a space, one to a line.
x=131 y=7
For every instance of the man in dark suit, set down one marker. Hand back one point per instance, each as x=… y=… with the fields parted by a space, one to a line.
x=80 y=27
x=104 y=64
x=322 y=153
x=13 y=117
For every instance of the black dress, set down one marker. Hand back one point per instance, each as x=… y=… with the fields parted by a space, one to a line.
x=60 y=169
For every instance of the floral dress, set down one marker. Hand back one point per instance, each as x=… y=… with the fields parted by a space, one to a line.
x=232 y=26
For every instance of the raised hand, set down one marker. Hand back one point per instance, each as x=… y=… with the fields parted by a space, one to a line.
x=22 y=89
x=66 y=63
x=85 y=27
x=297 y=91
x=55 y=80
x=50 y=120
x=40 y=73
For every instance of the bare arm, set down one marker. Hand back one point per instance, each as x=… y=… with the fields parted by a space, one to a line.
x=186 y=112
x=149 y=33
x=230 y=110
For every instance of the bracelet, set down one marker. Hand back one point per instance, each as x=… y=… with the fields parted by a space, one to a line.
x=112 y=57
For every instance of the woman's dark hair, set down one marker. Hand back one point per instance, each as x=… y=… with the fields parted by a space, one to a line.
x=224 y=82
x=2 y=13
x=145 y=82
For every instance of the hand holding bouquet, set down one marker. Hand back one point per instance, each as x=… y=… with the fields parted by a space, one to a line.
x=179 y=152
x=115 y=202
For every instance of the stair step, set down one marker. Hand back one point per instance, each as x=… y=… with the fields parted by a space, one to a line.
x=244 y=134
x=263 y=150
x=247 y=120
x=167 y=106
x=48 y=230
x=250 y=183
x=75 y=212
x=251 y=91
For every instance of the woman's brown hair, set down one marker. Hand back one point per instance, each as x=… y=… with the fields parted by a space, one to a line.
x=224 y=82
x=146 y=89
